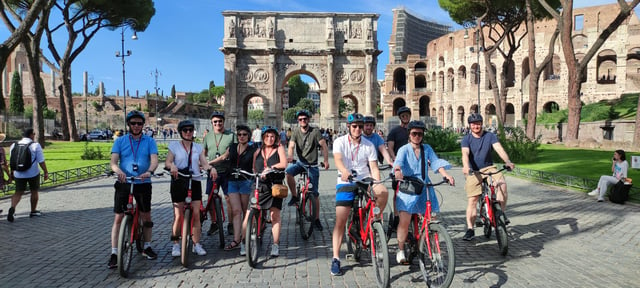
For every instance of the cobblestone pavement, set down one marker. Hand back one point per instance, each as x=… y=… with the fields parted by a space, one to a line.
x=558 y=238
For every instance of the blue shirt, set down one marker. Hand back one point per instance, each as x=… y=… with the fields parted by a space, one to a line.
x=133 y=151
x=375 y=139
x=479 y=149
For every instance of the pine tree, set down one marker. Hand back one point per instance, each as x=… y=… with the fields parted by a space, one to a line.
x=16 y=103
x=173 y=91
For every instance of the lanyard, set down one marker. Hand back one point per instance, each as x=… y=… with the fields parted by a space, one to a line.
x=351 y=148
x=135 y=153
x=215 y=139
x=188 y=153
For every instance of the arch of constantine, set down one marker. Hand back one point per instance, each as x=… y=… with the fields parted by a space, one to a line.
x=262 y=50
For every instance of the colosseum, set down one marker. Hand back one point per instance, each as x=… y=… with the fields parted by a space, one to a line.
x=449 y=82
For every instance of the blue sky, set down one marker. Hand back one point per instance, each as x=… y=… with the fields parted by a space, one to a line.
x=183 y=38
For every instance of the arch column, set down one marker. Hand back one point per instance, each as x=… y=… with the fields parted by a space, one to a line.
x=231 y=92
x=368 y=109
x=271 y=117
x=332 y=109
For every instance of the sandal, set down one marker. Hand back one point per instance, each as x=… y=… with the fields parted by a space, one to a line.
x=233 y=245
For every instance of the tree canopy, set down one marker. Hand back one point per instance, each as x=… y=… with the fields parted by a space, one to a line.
x=297 y=90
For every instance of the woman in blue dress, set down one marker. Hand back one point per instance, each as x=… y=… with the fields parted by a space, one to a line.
x=409 y=164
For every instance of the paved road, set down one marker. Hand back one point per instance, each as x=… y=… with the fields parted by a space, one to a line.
x=558 y=238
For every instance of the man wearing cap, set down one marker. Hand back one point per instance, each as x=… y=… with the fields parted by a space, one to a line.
x=215 y=145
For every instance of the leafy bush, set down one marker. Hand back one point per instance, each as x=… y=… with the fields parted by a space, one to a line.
x=441 y=140
x=519 y=148
x=91 y=153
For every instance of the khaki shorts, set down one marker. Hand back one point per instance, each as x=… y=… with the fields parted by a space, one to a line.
x=473 y=182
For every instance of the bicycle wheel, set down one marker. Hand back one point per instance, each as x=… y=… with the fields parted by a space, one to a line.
x=125 y=251
x=140 y=236
x=380 y=258
x=486 y=222
x=410 y=246
x=217 y=203
x=251 y=238
x=390 y=226
x=437 y=262
x=354 y=247
x=501 y=230
x=186 y=238
x=306 y=212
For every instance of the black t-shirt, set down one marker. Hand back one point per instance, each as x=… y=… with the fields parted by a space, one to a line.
x=243 y=161
x=400 y=136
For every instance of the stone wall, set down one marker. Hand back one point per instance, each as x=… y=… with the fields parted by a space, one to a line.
x=591 y=134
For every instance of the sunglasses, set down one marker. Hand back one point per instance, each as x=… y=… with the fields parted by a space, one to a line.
x=136 y=123
x=416 y=134
x=187 y=130
x=217 y=121
x=243 y=134
x=303 y=119
x=354 y=126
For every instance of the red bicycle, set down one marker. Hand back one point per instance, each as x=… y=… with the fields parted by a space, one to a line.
x=491 y=213
x=214 y=206
x=430 y=241
x=364 y=228
x=306 y=210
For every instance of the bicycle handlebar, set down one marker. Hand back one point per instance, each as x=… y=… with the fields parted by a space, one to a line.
x=504 y=167
x=444 y=180
x=202 y=173
x=238 y=171
x=321 y=164
x=112 y=173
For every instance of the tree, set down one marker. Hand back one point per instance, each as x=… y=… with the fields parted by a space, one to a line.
x=16 y=103
x=256 y=115
x=577 y=67
x=290 y=115
x=18 y=33
x=344 y=107
x=81 y=20
x=173 y=91
x=297 y=90
x=306 y=104
x=218 y=92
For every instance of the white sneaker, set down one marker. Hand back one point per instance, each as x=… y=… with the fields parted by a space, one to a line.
x=400 y=258
x=275 y=250
x=594 y=193
x=243 y=251
x=175 y=251
x=199 y=250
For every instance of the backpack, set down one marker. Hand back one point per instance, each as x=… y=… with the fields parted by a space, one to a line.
x=21 y=157
x=620 y=193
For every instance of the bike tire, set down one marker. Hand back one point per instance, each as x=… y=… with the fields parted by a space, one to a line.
x=306 y=212
x=140 y=237
x=486 y=222
x=125 y=249
x=380 y=259
x=251 y=238
x=437 y=266
x=352 y=240
x=186 y=243
x=217 y=203
x=501 y=230
x=410 y=245
x=390 y=226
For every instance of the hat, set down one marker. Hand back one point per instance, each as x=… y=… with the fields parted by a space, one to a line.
x=2 y=137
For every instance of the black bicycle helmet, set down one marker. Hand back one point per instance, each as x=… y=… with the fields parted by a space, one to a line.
x=267 y=128
x=135 y=114
x=242 y=127
x=303 y=112
x=219 y=114
x=184 y=124
x=416 y=124
x=355 y=117
x=474 y=117
x=403 y=109
x=369 y=119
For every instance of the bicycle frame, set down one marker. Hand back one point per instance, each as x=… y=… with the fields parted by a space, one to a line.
x=489 y=194
x=203 y=210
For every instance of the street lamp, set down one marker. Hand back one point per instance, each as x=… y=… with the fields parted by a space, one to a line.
x=122 y=54
x=157 y=96
x=478 y=61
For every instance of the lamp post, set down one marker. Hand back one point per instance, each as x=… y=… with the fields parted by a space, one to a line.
x=478 y=62
x=122 y=54
x=156 y=73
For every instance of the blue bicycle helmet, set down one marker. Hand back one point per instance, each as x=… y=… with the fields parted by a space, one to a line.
x=369 y=119
x=219 y=114
x=403 y=109
x=267 y=128
x=135 y=114
x=303 y=112
x=416 y=124
x=355 y=117
x=474 y=117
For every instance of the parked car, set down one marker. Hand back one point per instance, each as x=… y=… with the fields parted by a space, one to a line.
x=97 y=134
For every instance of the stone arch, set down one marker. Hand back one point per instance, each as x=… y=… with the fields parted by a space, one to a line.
x=434 y=111
x=354 y=101
x=420 y=82
x=250 y=102
x=420 y=66
x=476 y=75
x=525 y=110
x=550 y=107
x=607 y=64
x=462 y=76
x=397 y=103
x=510 y=111
x=449 y=116
x=441 y=62
x=441 y=81
x=451 y=79
x=552 y=69
x=460 y=116
x=433 y=81
x=441 y=116
x=473 y=108
x=580 y=41
x=633 y=68
x=424 y=106
x=400 y=80
x=525 y=68
x=489 y=111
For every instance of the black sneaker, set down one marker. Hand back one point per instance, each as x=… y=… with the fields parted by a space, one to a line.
x=318 y=225
x=12 y=211
x=113 y=261
x=469 y=235
x=149 y=253
x=212 y=229
x=35 y=213
x=293 y=201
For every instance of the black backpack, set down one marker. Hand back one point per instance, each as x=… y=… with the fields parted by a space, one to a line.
x=21 y=157
x=620 y=193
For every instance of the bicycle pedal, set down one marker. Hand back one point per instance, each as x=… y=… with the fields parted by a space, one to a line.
x=350 y=257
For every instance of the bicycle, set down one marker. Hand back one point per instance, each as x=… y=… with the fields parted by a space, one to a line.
x=491 y=213
x=186 y=241
x=257 y=218
x=432 y=244
x=131 y=230
x=306 y=209
x=361 y=234
x=214 y=206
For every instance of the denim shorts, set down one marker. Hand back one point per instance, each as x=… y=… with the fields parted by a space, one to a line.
x=241 y=187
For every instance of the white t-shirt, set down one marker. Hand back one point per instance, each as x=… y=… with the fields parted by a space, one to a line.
x=355 y=156
x=256 y=136
x=180 y=158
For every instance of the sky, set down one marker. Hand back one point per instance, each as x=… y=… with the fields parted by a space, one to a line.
x=183 y=39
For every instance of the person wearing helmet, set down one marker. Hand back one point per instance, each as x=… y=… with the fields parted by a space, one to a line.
x=271 y=156
x=186 y=157
x=133 y=155
x=398 y=136
x=240 y=156
x=306 y=140
x=412 y=162
x=352 y=152
x=477 y=148
x=215 y=144
x=378 y=142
